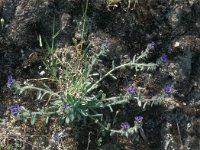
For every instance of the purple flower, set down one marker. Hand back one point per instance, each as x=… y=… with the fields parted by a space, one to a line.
x=164 y=57
x=138 y=118
x=10 y=80
x=151 y=45
x=65 y=104
x=106 y=44
x=14 y=109
x=131 y=89
x=167 y=88
x=124 y=125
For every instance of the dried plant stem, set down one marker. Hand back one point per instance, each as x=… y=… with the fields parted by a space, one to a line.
x=179 y=133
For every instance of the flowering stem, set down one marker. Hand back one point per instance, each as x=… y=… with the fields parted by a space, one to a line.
x=141 y=65
x=39 y=89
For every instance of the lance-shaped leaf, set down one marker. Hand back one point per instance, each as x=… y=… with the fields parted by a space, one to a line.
x=33 y=118
x=69 y=99
x=99 y=94
x=46 y=120
x=39 y=94
x=56 y=34
x=113 y=64
x=112 y=76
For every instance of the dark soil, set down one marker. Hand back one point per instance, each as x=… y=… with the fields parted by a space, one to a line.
x=174 y=25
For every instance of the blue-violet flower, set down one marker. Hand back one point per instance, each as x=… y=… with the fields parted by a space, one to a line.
x=124 y=125
x=106 y=44
x=138 y=118
x=164 y=57
x=10 y=80
x=168 y=88
x=131 y=89
x=14 y=109
x=65 y=104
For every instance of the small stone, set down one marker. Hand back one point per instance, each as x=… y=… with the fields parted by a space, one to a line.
x=171 y=107
x=177 y=44
x=42 y=73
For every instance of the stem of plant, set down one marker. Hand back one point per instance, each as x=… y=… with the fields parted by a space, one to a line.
x=114 y=69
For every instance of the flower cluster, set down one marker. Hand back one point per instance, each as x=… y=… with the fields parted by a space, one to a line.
x=14 y=109
x=124 y=125
x=65 y=105
x=167 y=88
x=151 y=45
x=10 y=80
x=106 y=44
x=138 y=118
x=164 y=57
x=131 y=89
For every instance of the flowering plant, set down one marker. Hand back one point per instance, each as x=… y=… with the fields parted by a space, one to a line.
x=14 y=109
x=164 y=57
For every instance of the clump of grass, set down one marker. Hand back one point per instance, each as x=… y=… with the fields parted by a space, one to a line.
x=79 y=96
x=52 y=62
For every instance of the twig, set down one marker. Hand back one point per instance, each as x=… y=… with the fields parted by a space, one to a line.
x=179 y=134
x=89 y=140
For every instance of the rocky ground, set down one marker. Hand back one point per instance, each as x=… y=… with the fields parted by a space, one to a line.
x=174 y=26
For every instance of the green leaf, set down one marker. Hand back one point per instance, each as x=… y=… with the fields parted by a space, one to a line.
x=25 y=120
x=42 y=111
x=110 y=108
x=40 y=40
x=99 y=141
x=139 y=103
x=112 y=133
x=126 y=134
x=112 y=76
x=72 y=115
x=56 y=34
x=67 y=120
x=46 y=121
x=145 y=105
x=69 y=99
x=142 y=68
x=33 y=118
x=62 y=120
x=108 y=126
x=94 y=103
x=113 y=64
x=87 y=85
x=134 y=58
x=97 y=115
x=47 y=87
x=103 y=96
x=39 y=94
x=25 y=114
x=152 y=103
x=96 y=121
x=101 y=71
x=48 y=47
x=57 y=102
x=99 y=94
x=84 y=112
x=87 y=48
